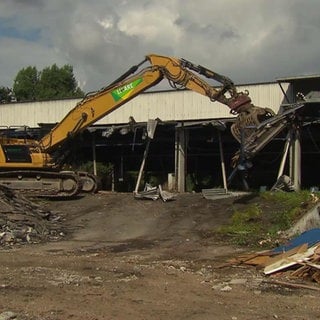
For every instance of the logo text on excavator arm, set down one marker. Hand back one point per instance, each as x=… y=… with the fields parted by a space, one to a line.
x=125 y=91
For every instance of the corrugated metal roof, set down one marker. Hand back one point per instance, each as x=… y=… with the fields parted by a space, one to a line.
x=298 y=78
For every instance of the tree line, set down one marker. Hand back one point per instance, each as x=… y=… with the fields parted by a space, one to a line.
x=50 y=83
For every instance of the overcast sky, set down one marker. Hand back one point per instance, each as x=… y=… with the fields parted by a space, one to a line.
x=246 y=40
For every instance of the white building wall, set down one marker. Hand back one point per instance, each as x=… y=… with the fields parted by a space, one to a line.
x=166 y=105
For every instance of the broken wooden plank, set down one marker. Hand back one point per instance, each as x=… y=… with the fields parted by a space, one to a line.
x=257 y=260
x=293 y=285
x=316 y=277
x=289 y=261
x=300 y=272
x=310 y=264
x=298 y=249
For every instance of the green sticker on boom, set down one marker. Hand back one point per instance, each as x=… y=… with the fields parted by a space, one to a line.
x=124 y=92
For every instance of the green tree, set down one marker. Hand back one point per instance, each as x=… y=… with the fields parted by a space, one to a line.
x=57 y=83
x=50 y=83
x=5 y=95
x=25 y=84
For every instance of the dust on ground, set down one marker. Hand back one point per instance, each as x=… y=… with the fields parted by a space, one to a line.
x=122 y=258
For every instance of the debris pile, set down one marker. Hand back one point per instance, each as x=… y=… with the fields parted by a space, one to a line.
x=154 y=193
x=299 y=259
x=23 y=221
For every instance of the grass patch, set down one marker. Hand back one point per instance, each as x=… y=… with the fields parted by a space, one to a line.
x=263 y=220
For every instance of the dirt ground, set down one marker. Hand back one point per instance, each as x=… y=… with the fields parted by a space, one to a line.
x=122 y=258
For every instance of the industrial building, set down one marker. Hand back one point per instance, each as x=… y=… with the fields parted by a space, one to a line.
x=192 y=147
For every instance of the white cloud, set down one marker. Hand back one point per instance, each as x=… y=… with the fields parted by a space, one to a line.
x=106 y=23
x=249 y=41
x=152 y=24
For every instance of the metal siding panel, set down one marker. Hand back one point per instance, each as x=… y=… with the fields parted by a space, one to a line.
x=265 y=95
x=175 y=105
x=166 y=105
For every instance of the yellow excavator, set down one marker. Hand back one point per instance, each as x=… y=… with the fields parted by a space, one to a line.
x=30 y=166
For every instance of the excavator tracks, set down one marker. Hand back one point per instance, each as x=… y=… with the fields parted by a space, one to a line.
x=42 y=183
x=90 y=183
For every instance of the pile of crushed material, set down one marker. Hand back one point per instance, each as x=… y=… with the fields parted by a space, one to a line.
x=299 y=259
x=24 y=221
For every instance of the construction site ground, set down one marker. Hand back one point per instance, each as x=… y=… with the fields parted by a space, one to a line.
x=122 y=258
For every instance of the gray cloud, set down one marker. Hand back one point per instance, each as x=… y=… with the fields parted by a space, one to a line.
x=249 y=41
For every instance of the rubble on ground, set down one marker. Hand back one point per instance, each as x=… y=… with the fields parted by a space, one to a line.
x=23 y=221
x=154 y=193
x=298 y=261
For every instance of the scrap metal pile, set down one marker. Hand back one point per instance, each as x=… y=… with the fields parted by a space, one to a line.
x=23 y=221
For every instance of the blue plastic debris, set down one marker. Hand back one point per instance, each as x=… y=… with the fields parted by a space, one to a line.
x=311 y=237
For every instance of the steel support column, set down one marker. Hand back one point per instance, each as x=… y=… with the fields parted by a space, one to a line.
x=180 y=159
x=94 y=156
x=295 y=159
x=223 y=168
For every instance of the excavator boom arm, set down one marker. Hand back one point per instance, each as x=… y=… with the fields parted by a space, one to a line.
x=179 y=72
x=97 y=105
